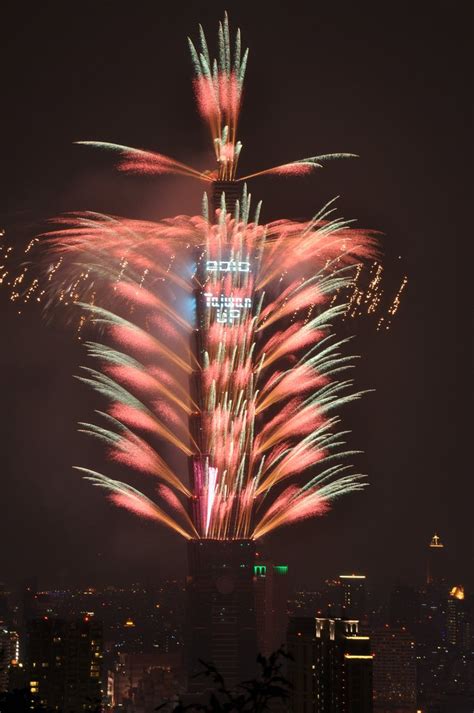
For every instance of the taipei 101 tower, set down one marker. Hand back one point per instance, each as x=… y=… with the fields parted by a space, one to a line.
x=221 y=621
x=217 y=340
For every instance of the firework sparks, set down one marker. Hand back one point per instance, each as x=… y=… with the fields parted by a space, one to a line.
x=264 y=381
x=216 y=335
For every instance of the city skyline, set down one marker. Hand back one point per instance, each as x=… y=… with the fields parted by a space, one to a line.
x=414 y=647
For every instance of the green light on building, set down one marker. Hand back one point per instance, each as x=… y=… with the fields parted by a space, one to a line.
x=260 y=570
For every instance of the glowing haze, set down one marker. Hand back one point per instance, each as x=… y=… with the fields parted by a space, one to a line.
x=216 y=338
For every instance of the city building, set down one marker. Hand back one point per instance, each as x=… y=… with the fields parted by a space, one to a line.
x=404 y=608
x=331 y=666
x=332 y=598
x=221 y=621
x=157 y=685
x=432 y=627
x=305 y=603
x=458 y=626
x=436 y=562
x=394 y=671
x=271 y=603
x=9 y=656
x=5 y=613
x=65 y=663
x=353 y=595
x=142 y=681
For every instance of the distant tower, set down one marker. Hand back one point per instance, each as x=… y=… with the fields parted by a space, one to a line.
x=331 y=666
x=435 y=572
x=457 y=624
x=353 y=595
x=404 y=610
x=5 y=614
x=221 y=626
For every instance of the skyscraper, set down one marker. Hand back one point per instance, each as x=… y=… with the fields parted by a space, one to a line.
x=9 y=655
x=221 y=619
x=353 y=595
x=221 y=622
x=331 y=666
x=65 y=663
x=436 y=562
x=458 y=626
x=404 y=608
x=394 y=670
x=271 y=599
x=5 y=614
x=433 y=596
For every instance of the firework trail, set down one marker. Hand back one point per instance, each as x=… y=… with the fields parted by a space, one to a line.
x=262 y=393
x=216 y=338
x=218 y=87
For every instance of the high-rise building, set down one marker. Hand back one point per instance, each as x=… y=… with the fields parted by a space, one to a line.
x=221 y=621
x=394 y=670
x=458 y=626
x=331 y=666
x=433 y=618
x=9 y=655
x=221 y=626
x=305 y=603
x=5 y=613
x=271 y=602
x=353 y=595
x=331 y=601
x=28 y=610
x=436 y=562
x=404 y=608
x=65 y=663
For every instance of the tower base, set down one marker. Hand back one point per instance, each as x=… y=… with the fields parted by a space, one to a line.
x=221 y=621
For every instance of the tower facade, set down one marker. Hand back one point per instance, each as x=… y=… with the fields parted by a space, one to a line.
x=435 y=570
x=458 y=626
x=9 y=655
x=404 y=607
x=271 y=597
x=232 y=192
x=65 y=663
x=221 y=622
x=394 y=670
x=353 y=595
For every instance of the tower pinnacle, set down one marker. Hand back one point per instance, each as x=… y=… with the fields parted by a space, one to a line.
x=435 y=541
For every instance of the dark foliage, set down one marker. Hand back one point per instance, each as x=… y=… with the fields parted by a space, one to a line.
x=257 y=695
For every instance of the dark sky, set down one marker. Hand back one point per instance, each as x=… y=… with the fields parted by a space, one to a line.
x=388 y=81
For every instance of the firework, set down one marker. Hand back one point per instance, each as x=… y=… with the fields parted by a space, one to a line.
x=216 y=337
x=253 y=405
x=218 y=85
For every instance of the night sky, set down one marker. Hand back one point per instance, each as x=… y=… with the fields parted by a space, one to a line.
x=386 y=81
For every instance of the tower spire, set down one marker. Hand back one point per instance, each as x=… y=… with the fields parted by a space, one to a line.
x=436 y=541
x=435 y=573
